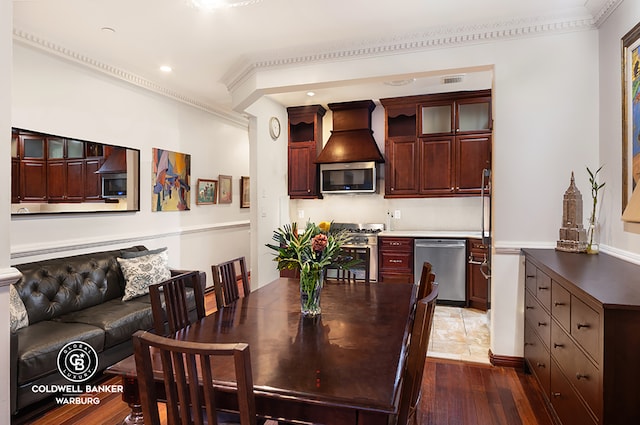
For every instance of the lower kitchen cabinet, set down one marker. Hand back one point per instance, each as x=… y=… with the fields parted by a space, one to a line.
x=582 y=321
x=395 y=259
x=477 y=283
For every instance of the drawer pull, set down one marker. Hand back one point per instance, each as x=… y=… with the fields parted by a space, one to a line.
x=542 y=324
x=540 y=365
x=543 y=288
x=394 y=243
x=395 y=261
x=580 y=376
x=529 y=307
x=527 y=343
x=558 y=304
x=556 y=395
x=531 y=276
x=583 y=325
x=556 y=345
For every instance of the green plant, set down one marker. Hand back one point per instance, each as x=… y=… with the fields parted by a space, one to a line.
x=595 y=188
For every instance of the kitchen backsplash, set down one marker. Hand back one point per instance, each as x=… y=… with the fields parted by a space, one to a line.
x=458 y=214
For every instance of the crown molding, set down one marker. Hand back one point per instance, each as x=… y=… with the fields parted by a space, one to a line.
x=120 y=74
x=600 y=15
x=431 y=39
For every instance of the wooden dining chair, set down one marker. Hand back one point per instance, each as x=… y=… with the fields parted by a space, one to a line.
x=225 y=281
x=426 y=280
x=187 y=375
x=349 y=275
x=416 y=357
x=169 y=303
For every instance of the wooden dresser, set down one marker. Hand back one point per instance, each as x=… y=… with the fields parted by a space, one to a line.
x=582 y=335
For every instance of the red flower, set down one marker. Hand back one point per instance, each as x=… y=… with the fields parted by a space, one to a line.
x=319 y=242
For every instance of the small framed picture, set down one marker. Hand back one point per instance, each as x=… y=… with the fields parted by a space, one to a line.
x=225 y=189
x=245 y=194
x=207 y=192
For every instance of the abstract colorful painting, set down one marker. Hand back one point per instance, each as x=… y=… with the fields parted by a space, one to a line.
x=170 y=176
x=631 y=126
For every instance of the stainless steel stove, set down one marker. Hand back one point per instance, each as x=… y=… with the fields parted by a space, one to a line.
x=364 y=235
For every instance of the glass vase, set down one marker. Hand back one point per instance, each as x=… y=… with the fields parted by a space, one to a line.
x=593 y=244
x=310 y=289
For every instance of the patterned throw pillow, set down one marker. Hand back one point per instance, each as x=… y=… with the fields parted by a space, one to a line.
x=141 y=272
x=17 y=311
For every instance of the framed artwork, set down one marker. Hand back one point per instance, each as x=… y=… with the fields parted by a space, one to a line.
x=170 y=177
x=245 y=194
x=207 y=192
x=224 y=182
x=631 y=125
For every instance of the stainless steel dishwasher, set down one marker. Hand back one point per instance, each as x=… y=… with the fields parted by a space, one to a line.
x=448 y=261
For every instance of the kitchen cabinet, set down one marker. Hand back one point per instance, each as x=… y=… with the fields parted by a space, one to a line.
x=304 y=145
x=33 y=168
x=395 y=259
x=582 y=315
x=477 y=283
x=15 y=167
x=437 y=145
x=65 y=170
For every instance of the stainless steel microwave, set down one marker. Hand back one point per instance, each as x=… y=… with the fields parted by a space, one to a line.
x=350 y=177
x=114 y=185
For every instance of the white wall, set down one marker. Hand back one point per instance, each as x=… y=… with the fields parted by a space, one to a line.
x=546 y=125
x=619 y=237
x=55 y=96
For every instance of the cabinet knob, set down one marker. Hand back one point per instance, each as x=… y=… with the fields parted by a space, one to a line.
x=583 y=325
x=540 y=365
x=542 y=324
x=556 y=395
x=580 y=376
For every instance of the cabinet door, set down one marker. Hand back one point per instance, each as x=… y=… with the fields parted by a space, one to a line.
x=15 y=180
x=32 y=147
x=473 y=155
x=302 y=177
x=473 y=115
x=478 y=285
x=33 y=178
x=436 y=166
x=437 y=118
x=75 y=181
x=401 y=168
x=92 y=181
x=56 y=180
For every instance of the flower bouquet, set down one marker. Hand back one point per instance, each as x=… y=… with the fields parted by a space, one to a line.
x=310 y=251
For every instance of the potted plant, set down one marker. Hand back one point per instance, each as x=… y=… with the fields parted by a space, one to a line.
x=592 y=239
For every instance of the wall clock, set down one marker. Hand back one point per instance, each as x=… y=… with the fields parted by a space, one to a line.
x=274 y=128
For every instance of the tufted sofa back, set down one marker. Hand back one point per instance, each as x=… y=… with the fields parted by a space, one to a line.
x=50 y=288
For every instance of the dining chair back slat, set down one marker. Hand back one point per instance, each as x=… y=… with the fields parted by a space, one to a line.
x=424 y=287
x=169 y=302
x=349 y=275
x=416 y=357
x=225 y=281
x=187 y=375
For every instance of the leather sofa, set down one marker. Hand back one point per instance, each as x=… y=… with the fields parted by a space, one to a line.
x=76 y=298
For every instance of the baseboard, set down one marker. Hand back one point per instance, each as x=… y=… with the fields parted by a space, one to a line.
x=506 y=361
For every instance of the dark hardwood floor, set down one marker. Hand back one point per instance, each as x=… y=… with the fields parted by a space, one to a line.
x=453 y=393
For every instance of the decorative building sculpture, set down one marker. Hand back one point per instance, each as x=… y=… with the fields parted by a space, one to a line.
x=573 y=236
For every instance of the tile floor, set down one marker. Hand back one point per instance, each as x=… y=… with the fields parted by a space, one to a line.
x=460 y=334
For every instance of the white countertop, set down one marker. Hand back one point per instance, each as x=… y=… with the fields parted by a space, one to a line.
x=463 y=234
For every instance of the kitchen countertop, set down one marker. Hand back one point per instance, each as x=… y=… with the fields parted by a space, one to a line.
x=463 y=234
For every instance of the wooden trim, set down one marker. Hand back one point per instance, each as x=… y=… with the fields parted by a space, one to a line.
x=506 y=361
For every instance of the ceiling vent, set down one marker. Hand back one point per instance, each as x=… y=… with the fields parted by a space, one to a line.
x=452 y=79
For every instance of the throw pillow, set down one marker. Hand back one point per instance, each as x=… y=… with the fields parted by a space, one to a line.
x=141 y=272
x=17 y=311
x=136 y=254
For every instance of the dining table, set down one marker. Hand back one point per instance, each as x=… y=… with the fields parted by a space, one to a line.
x=342 y=367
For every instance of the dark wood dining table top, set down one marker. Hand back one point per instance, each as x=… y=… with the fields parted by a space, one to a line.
x=350 y=356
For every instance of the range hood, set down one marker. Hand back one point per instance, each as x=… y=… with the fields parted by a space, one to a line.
x=351 y=139
x=116 y=162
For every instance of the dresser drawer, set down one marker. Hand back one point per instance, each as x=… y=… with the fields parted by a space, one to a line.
x=537 y=317
x=578 y=369
x=565 y=401
x=530 y=276
x=396 y=244
x=537 y=357
x=585 y=327
x=543 y=289
x=396 y=261
x=561 y=305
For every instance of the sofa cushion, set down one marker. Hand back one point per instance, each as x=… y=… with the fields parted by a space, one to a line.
x=143 y=271
x=39 y=344
x=118 y=319
x=17 y=312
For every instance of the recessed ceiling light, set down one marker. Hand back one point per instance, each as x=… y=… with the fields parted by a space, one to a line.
x=108 y=30
x=166 y=68
x=396 y=83
x=221 y=4
x=310 y=93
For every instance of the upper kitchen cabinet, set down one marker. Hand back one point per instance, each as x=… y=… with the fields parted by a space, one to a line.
x=437 y=145
x=305 y=143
